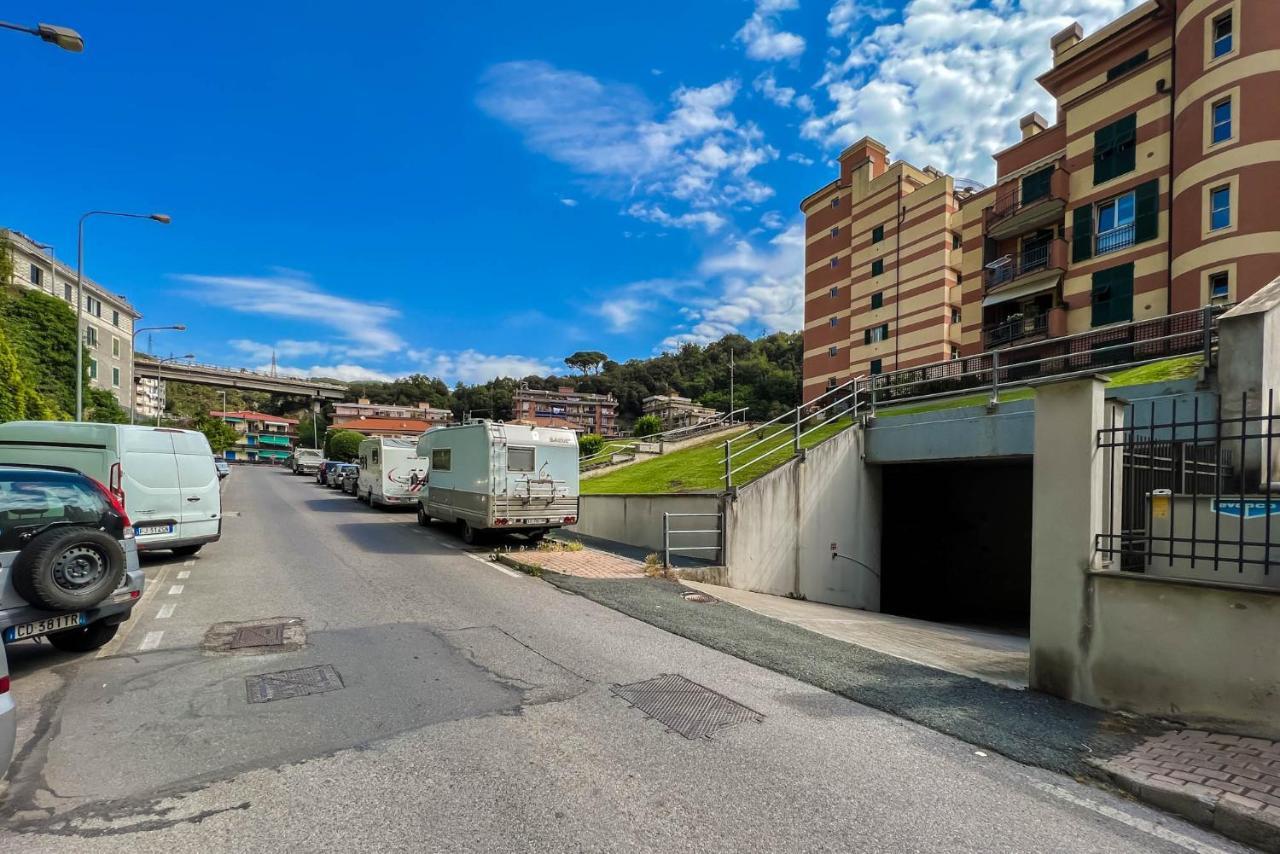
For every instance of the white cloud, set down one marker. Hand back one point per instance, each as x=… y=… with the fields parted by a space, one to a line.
x=292 y=295
x=797 y=157
x=622 y=313
x=698 y=152
x=945 y=84
x=768 y=86
x=710 y=221
x=569 y=203
x=761 y=36
x=772 y=220
x=471 y=366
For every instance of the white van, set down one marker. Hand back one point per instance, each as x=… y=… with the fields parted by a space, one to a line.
x=165 y=477
x=487 y=475
x=387 y=469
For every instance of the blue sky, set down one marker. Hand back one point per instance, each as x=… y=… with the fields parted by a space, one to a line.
x=471 y=190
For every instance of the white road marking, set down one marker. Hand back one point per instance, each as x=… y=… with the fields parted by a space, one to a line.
x=1149 y=827
x=493 y=563
x=175 y=589
x=189 y=563
x=166 y=611
x=186 y=573
x=451 y=546
x=151 y=641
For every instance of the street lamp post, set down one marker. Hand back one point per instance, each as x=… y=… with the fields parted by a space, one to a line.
x=159 y=364
x=64 y=37
x=161 y=218
x=133 y=349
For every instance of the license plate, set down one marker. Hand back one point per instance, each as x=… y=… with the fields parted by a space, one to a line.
x=143 y=530
x=535 y=521
x=43 y=627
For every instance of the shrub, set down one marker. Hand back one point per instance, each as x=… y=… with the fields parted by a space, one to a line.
x=647 y=425
x=344 y=445
x=589 y=444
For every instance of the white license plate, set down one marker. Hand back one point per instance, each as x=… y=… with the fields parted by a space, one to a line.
x=43 y=627
x=143 y=530
x=535 y=521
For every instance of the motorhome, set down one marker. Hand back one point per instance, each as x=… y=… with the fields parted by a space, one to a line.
x=487 y=475
x=164 y=476
x=387 y=468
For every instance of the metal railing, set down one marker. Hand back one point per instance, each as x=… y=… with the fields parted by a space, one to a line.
x=788 y=429
x=1113 y=239
x=1051 y=253
x=1015 y=329
x=667 y=531
x=675 y=434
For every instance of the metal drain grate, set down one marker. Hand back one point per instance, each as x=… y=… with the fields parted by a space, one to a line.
x=685 y=706
x=292 y=683
x=271 y=634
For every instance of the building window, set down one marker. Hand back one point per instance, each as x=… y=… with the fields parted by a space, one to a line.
x=37 y=275
x=1111 y=297
x=1222 y=121
x=955 y=241
x=115 y=318
x=831 y=351
x=66 y=292
x=1219 y=208
x=834 y=321
x=1114 y=149
x=835 y=201
x=835 y=262
x=877 y=299
x=835 y=232
x=93 y=306
x=1219 y=286
x=91 y=336
x=955 y=315
x=877 y=366
x=1115 y=223
x=115 y=377
x=877 y=234
x=835 y=292
x=877 y=267
x=93 y=369
x=1127 y=66
x=831 y=383
x=955 y=352
x=1222 y=35
x=115 y=346
x=876 y=334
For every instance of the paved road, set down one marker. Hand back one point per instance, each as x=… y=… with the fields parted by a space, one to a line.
x=476 y=715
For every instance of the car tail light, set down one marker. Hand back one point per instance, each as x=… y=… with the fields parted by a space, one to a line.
x=499 y=521
x=117 y=482
x=116 y=501
x=4 y=684
x=569 y=520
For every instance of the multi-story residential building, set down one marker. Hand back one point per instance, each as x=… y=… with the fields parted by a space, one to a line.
x=108 y=318
x=676 y=411
x=150 y=397
x=391 y=428
x=262 y=437
x=1148 y=195
x=882 y=265
x=584 y=412
x=419 y=412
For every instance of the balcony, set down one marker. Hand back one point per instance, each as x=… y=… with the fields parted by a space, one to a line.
x=1038 y=199
x=1115 y=239
x=1034 y=264
x=1017 y=328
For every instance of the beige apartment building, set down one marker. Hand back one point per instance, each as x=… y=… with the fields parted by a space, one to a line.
x=420 y=411
x=676 y=411
x=108 y=318
x=1150 y=193
x=584 y=412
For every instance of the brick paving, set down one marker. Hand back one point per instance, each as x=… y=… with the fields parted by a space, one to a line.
x=587 y=563
x=1227 y=781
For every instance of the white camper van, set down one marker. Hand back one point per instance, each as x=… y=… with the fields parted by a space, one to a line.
x=486 y=475
x=386 y=472
x=164 y=476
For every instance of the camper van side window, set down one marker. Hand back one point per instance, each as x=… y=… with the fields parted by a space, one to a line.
x=519 y=459
x=375 y=455
x=441 y=459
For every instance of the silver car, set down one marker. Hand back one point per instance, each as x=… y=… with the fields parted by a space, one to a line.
x=8 y=716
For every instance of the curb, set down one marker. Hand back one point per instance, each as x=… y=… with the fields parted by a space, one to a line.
x=1200 y=805
x=506 y=559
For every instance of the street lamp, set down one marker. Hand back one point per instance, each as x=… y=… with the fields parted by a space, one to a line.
x=162 y=218
x=159 y=363
x=133 y=349
x=64 y=37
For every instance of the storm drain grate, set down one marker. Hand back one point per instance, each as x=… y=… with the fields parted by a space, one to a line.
x=292 y=683
x=268 y=635
x=685 y=706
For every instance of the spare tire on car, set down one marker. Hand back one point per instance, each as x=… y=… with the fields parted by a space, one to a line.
x=69 y=569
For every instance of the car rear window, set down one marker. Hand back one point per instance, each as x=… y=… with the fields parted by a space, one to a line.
x=29 y=504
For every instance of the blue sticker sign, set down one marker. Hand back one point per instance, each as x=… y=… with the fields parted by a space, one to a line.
x=1249 y=510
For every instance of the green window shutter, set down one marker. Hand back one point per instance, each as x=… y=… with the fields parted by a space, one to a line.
x=885 y=328
x=866 y=336
x=877 y=234
x=1082 y=233
x=877 y=299
x=1122 y=293
x=1103 y=145
x=1100 y=298
x=1036 y=185
x=877 y=267
x=1126 y=144
x=1146 y=211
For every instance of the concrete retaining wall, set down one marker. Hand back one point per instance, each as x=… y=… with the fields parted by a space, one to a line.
x=636 y=520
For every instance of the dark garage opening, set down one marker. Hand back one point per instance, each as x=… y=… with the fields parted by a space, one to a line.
x=956 y=543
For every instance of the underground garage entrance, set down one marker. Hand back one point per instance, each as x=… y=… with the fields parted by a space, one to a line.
x=956 y=544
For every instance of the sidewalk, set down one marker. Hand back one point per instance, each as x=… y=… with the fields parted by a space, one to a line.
x=981 y=654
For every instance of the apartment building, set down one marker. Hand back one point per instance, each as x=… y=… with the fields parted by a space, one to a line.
x=108 y=318
x=150 y=397
x=263 y=437
x=584 y=412
x=882 y=269
x=676 y=411
x=1147 y=195
x=421 y=411
x=390 y=428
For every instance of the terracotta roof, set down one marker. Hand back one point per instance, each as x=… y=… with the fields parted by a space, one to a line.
x=249 y=414
x=404 y=425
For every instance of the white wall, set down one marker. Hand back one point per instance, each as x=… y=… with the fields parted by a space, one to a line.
x=636 y=520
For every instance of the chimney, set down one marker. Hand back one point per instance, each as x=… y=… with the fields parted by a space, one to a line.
x=863 y=162
x=1032 y=124
x=1065 y=39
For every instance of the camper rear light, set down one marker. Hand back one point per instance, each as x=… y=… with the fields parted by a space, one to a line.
x=569 y=520
x=499 y=521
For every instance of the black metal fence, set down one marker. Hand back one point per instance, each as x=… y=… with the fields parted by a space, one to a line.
x=1178 y=470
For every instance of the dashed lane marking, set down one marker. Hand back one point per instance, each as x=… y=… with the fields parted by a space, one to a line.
x=175 y=590
x=150 y=589
x=151 y=641
x=166 y=611
x=189 y=562
x=484 y=560
x=185 y=574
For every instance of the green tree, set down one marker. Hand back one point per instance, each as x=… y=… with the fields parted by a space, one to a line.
x=311 y=430
x=343 y=445
x=101 y=406
x=221 y=435
x=589 y=444
x=647 y=425
x=586 y=361
x=42 y=332
x=19 y=401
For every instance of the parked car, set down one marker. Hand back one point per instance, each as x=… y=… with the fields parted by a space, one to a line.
x=164 y=477
x=222 y=467
x=351 y=480
x=339 y=472
x=305 y=460
x=326 y=468
x=492 y=476
x=68 y=558
x=386 y=468
x=8 y=717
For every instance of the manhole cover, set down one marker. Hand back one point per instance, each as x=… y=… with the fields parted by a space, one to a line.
x=268 y=635
x=685 y=706
x=292 y=683
x=696 y=596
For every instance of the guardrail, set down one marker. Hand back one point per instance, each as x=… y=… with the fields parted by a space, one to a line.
x=675 y=434
x=667 y=531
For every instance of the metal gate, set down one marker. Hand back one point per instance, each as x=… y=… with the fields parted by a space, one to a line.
x=668 y=532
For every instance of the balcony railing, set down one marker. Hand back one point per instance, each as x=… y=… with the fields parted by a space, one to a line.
x=1051 y=255
x=1114 y=239
x=1015 y=329
x=1022 y=196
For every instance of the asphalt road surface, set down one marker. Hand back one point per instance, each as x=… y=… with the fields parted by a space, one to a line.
x=471 y=709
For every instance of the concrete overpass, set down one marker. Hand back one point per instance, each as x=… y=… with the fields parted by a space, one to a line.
x=237 y=378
